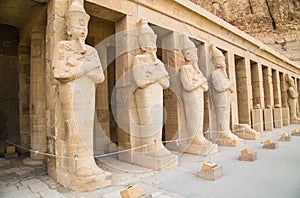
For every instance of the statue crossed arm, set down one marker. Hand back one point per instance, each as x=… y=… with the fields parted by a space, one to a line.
x=71 y=64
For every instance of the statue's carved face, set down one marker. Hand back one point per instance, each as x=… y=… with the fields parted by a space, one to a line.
x=148 y=42
x=191 y=55
x=78 y=30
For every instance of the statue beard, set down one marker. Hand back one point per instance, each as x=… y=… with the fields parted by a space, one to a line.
x=223 y=70
x=82 y=45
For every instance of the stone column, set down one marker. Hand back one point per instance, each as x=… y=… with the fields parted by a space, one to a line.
x=298 y=88
x=244 y=92
x=172 y=57
x=24 y=94
x=277 y=100
x=269 y=102
x=55 y=32
x=102 y=128
x=258 y=97
x=126 y=46
x=284 y=100
x=234 y=100
x=37 y=98
x=203 y=63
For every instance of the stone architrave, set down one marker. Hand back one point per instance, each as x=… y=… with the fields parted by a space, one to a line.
x=78 y=69
x=193 y=85
x=292 y=100
x=150 y=78
x=220 y=91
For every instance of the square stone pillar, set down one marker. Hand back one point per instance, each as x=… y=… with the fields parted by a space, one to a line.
x=268 y=119
x=257 y=120
x=284 y=100
x=126 y=47
x=234 y=101
x=268 y=87
x=24 y=93
x=297 y=84
x=278 y=123
x=244 y=91
x=55 y=32
x=173 y=59
x=257 y=85
x=276 y=88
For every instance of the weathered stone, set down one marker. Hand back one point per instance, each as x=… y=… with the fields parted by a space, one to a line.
x=244 y=131
x=131 y=192
x=295 y=132
x=268 y=119
x=248 y=157
x=272 y=146
x=285 y=137
x=220 y=90
x=194 y=84
x=211 y=174
x=78 y=69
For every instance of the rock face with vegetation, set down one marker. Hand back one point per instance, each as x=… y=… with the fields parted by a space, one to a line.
x=274 y=22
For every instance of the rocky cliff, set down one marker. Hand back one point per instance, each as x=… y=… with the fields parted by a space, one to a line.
x=274 y=22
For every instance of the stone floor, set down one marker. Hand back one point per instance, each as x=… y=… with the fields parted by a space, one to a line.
x=276 y=173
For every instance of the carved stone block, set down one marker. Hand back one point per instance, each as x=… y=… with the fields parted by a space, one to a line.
x=144 y=160
x=258 y=120
x=229 y=142
x=202 y=150
x=211 y=174
x=295 y=132
x=286 y=116
x=131 y=192
x=248 y=157
x=244 y=131
x=278 y=123
x=272 y=146
x=268 y=119
x=285 y=138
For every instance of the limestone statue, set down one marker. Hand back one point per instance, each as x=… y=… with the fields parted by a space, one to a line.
x=150 y=77
x=292 y=100
x=78 y=69
x=194 y=84
x=220 y=92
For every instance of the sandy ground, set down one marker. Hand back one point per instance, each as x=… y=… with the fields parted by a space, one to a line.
x=276 y=173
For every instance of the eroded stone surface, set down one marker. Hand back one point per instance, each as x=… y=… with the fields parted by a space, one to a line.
x=78 y=69
x=194 y=84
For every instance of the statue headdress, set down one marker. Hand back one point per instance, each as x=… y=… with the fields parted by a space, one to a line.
x=216 y=54
x=76 y=14
x=187 y=43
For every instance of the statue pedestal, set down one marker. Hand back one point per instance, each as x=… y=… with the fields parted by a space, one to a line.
x=258 y=120
x=295 y=121
x=144 y=160
x=84 y=183
x=244 y=131
x=272 y=146
x=285 y=116
x=248 y=157
x=211 y=174
x=278 y=118
x=32 y=162
x=203 y=150
x=229 y=142
x=268 y=119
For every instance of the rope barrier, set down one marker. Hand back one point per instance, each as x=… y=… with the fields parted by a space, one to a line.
x=177 y=141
